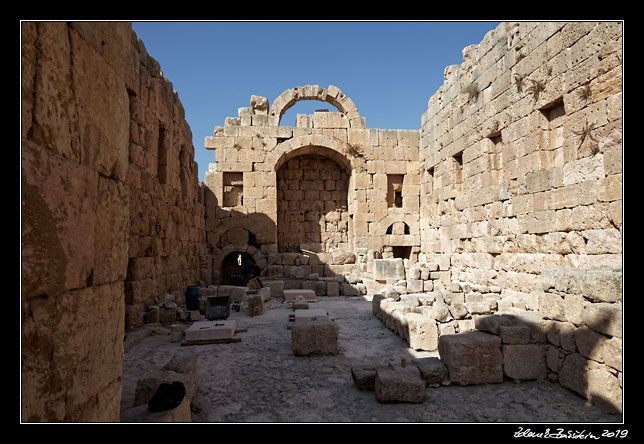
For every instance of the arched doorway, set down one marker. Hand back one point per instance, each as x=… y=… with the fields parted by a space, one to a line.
x=238 y=268
x=312 y=203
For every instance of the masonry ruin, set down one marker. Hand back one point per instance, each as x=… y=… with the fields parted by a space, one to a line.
x=501 y=215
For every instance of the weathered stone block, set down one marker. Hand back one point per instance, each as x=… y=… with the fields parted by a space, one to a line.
x=276 y=288
x=319 y=336
x=211 y=330
x=364 y=377
x=375 y=305
x=423 y=332
x=299 y=294
x=596 y=285
x=524 y=361
x=591 y=380
x=255 y=305
x=306 y=315
x=604 y=318
x=514 y=334
x=349 y=290
x=400 y=384
x=415 y=285
x=598 y=347
x=432 y=370
x=384 y=269
x=472 y=357
x=333 y=288
x=236 y=294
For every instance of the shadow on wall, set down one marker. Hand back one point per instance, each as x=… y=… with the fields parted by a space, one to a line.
x=245 y=245
x=580 y=359
x=575 y=339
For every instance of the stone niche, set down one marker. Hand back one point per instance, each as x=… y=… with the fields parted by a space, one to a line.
x=312 y=203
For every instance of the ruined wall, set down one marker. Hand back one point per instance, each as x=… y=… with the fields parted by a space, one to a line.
x=92 y=204
x=377 y=210
x=521 y=193
x=521 y=156
x=166 y=244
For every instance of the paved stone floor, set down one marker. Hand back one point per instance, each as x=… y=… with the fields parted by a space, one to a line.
x=260 y=380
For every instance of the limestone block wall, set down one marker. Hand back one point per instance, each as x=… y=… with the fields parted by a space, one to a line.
x=312 y=208
x=584 y=331
x=102 y=212
x=272 y=181
x=521 y=155
x=166 y=243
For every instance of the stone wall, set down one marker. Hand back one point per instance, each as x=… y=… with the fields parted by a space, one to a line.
x=101 y=212
x=521 y=154
x=312 y=204
x=377 y=210
x=584 y=331
x=166 y=244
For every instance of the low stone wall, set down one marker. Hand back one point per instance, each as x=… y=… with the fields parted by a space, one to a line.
x=575 y=338
x=584 y=331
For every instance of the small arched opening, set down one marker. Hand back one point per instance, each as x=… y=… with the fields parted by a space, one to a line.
x=238 y=268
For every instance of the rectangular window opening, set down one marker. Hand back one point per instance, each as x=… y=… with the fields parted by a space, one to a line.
x=233 y=189
x=162 y=155
x=553 y=134
x=496 y=159
x=394 y=190
x=458 y=172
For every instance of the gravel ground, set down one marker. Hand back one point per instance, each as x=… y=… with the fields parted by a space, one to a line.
x=260 y=380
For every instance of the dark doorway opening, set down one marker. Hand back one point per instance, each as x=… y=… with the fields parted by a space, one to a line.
x=238 y=268
x=402 y=252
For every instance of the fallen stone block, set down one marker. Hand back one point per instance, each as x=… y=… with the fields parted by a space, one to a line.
x=364 y=377
x=276 y=288
x=210 y=330
x=234 y=293
x=318 y=336
x=255 y=305
x=375 y=305
x=307 y=315
x=399 y=384
x=300 y=294
x=177 y=332
x=181 y=369
x=432 y=370
x=472 y=357
x=299 y=305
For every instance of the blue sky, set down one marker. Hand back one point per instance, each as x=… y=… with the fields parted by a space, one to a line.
x=389 y=69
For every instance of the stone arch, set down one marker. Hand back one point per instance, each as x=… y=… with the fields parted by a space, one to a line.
x=331 y=95
x=391 y=228
x=388 y=221
x=313 y=189
x=322 y=144
x=252 y=224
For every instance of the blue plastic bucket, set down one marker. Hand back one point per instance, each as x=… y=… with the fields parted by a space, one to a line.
x=193 y=295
